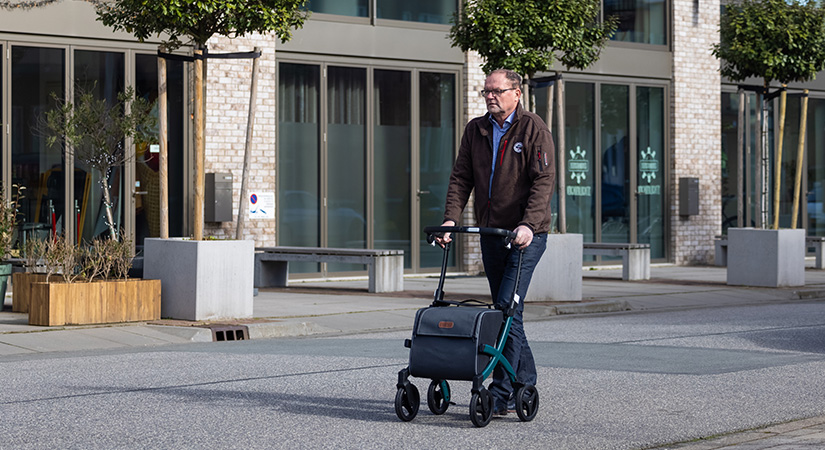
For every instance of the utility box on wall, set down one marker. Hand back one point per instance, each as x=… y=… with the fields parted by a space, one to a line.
x=688 y=196
x=218 y=197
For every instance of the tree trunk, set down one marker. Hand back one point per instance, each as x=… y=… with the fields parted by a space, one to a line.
x=560 y=139
x=762 y=179
x=740 y=162
x=800 y=154
x=163 y=156
x=200 y=148
x=107 y=202
x=777 y=180
x=250 y=122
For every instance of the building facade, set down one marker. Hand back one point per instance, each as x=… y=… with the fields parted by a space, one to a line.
x=359 y=118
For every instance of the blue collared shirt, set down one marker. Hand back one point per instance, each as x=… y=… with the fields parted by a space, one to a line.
x=498 y=133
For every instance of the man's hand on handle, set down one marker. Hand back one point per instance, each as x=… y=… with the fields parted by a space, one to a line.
x=442 y=240
x=524 y=236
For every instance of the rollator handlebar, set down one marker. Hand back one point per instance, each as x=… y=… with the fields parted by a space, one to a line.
x=432 y=232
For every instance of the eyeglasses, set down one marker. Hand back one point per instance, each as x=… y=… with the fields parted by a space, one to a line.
x=495 y=92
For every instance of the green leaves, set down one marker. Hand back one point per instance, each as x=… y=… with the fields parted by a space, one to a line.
x=773 y=40
x=528 y=35
x=200 y=20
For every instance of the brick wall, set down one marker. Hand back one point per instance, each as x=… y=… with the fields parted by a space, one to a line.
x=473 y=107
x=695 y=129
x=227 y=109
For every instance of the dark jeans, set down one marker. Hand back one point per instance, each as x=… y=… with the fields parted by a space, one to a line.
x=501 y=264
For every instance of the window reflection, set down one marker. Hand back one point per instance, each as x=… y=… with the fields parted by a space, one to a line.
x=352 y=8
x=428 y=11
x=102 y=75
x=393 y=150
x=36 y=75
x=640 y=21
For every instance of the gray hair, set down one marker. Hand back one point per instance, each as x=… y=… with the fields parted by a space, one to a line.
x=513 y=77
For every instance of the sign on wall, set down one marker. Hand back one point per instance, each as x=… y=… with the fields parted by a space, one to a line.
x=262 y=205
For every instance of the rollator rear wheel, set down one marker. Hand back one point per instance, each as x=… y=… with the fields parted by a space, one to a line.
x=407 y=402
x=527 y=403
x=438 y=397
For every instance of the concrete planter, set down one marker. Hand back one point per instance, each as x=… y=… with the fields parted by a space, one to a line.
x=766 y=258
x=202 y=280
x=558 y=275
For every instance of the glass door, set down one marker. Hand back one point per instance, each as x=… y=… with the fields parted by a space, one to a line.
x=146 y=190
x=615 y=163
x=299 y=188
x=437 y=137
x=38 y=75
x=393 y=155
x=650 y=151
x=103 y=75
x=346 y=160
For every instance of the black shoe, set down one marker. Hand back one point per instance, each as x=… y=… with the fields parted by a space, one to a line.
x=500 y=413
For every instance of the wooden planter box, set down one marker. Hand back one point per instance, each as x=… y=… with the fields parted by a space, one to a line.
x=21 y=284
x=111 y=301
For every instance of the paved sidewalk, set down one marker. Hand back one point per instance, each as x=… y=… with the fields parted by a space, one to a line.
x=799 y=434
x=343 y=307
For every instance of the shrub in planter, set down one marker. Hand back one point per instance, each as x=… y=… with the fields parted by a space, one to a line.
x=84 y=285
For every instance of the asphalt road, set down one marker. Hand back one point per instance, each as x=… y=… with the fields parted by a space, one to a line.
x=619 y=381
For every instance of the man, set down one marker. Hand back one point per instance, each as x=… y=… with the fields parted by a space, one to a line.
x=507 y=157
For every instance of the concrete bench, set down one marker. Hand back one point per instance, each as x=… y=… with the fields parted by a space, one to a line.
x=635 y=257
x=720 y=258
x=385 y=267
x=818 y=244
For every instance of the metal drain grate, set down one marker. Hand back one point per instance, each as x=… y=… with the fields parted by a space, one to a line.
x=230 y=333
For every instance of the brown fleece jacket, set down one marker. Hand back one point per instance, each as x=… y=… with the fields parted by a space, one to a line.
x=524 y=178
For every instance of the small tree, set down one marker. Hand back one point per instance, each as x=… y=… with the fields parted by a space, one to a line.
x=775 y=40
x=528 y=36
x=95 y=132
x=196 y=22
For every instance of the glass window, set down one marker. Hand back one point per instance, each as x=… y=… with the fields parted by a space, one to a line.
x=640 y=21
x=615 y=170
x=428 y=11
x=147 y=200
x=101 y=74
x=36 y=75
x=730 y=164
x=347 y=160
x=650 y=147
x=437 y=116
x=298 y=159
x=579 y=152
x=353 y=8
x=393 y=156
x=816 y=167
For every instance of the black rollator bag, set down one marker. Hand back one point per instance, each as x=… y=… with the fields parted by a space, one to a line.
x=447 y=342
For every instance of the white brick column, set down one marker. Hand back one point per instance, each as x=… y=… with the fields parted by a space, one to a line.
x=695 y=129
x=227 y=109
x=473 y=107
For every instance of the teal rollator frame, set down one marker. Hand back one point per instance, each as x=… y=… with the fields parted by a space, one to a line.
x=439 y=396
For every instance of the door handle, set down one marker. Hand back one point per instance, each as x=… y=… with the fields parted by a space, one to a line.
x=420 y=193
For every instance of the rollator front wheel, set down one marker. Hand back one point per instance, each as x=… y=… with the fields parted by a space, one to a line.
x=481 y=408
x=407 y=402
